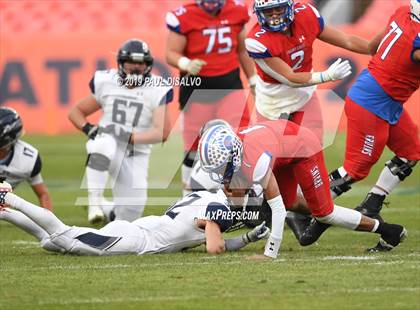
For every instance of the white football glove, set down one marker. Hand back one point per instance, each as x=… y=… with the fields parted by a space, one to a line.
x=337 y=71
x=4 y=189
x=258 y=233
x=192 y=66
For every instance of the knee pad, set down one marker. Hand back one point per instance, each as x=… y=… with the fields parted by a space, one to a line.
x=340 y=181
x=104 y=144
x=98 y=162
x=401 y=168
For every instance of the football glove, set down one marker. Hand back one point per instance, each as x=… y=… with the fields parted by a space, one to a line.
x=337 y=71
x=259 y=232
x=90 y=130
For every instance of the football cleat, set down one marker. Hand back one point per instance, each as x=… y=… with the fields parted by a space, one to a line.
x=371 y=206
x=313 y=232
x=95 y=214
x=390 y=240
x=298 y=223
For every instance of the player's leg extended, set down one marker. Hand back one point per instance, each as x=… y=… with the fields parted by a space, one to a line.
x=404 y=142
x=42 y=217
x=366 y=138
x=20 y=220
x=313 y=179
x=101 y=152
x=130 y=189
x=195 y=115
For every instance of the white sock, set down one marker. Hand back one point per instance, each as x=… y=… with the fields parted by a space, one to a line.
x=386 y=183
x=96 y=183
x=343 y=217
x=20 y=220
x=43 y=217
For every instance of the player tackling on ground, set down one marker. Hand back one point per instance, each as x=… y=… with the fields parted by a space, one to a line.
x=259 y=154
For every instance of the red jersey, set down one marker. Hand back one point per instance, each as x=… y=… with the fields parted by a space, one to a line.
x=213 y=39
x=295 y=50
x=274 y=144
x=393 y=66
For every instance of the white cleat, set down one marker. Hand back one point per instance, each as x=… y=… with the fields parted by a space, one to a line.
x=95 y=214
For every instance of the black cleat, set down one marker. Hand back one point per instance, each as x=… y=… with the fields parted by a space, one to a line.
x=371 y=206
x=313 y=232
x=298 y=223
x=390 y=239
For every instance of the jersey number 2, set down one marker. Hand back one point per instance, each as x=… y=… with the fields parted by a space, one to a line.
x=398 y=33
x=223 y=39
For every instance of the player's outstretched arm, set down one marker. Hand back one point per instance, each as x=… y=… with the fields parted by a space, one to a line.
x=375 y=42
x=159 y=131
x=79 y=113
x=214 y=241
x=282 y=72
x=344 y=40
x=258 y=233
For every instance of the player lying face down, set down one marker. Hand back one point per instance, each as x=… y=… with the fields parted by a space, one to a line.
x=198 y=218
x=280 y=155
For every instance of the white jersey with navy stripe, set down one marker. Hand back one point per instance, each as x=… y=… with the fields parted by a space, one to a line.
x=21 y=166
x=177 y=229
x=174 y=231
x=128 y=109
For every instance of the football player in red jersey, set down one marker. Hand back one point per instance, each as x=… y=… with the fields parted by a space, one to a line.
x=259 y=154
x=281 y=45
x=206 y=39
x=377 y=118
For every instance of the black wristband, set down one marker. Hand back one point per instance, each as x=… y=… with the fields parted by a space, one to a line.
x=86 y=128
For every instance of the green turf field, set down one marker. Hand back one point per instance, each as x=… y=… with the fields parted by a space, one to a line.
x=335 y=273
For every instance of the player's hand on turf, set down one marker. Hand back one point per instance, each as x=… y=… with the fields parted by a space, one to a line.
x=90 y=130
x=337 y=71
x=259 y=232
x=195 y=65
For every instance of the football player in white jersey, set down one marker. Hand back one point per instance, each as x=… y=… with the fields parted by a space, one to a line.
x=20 y=162
x=133 y=102
x=198 y=218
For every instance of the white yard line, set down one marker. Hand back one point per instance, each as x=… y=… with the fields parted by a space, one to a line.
x=105 y=300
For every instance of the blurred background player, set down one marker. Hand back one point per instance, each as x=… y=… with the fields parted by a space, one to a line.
x=19 y=162
x=198 y=218
x=206 y=39
x=256 y=156
x=281 y=44
x=376 y=116
x=133 y=102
